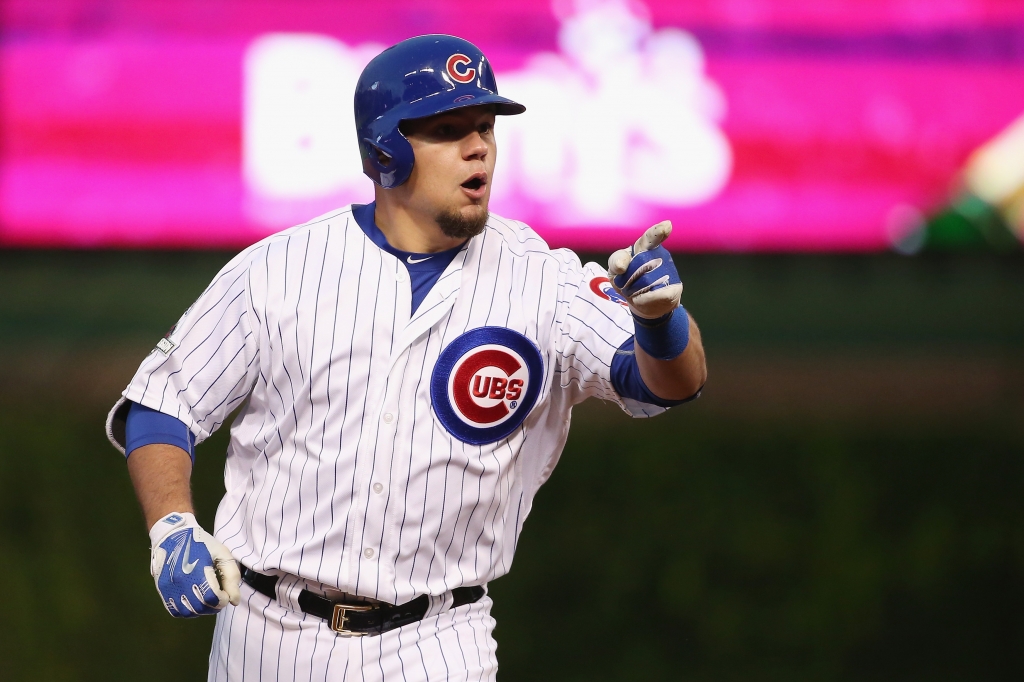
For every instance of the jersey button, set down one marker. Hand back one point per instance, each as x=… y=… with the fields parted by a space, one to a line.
x=400 y=276
x=378 y=488
x=388 y=417
x=368 y=553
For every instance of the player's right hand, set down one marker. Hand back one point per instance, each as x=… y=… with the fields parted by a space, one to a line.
x=194 y=573
x=645 y=275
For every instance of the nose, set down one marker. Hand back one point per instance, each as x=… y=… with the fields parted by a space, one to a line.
x=474 y=147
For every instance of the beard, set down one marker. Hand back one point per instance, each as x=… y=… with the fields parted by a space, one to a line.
x=457 y=226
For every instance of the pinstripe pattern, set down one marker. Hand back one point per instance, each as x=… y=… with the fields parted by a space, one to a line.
x=337 y=469
x=289 y=646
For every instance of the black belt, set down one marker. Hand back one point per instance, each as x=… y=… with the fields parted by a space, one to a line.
x=359 y=619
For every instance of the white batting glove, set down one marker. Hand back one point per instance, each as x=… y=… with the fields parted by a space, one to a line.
x=194 y=573
x=645 y=275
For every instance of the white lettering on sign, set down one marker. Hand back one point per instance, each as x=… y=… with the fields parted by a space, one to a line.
x=622 y=119
x=299 y=139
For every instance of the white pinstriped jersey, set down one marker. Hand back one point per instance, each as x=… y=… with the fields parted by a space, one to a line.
x=385 y=454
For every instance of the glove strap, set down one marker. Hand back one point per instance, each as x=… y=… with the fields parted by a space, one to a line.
x=663 y=338
x=169 y=523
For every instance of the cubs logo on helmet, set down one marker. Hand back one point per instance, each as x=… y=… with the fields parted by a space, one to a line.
x=458 y=68
x=603 y=288
x=485 y=383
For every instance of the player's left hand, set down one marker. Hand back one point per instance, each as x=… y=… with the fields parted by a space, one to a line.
x=194 y=573
x=645 y=275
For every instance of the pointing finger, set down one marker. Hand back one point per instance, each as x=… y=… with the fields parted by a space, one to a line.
x=653 y=237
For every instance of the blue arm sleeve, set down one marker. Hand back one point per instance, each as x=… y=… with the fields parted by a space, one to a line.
x=146 y=426
x=628 y=383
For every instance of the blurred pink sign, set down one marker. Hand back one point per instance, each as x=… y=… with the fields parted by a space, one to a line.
x=760 y=125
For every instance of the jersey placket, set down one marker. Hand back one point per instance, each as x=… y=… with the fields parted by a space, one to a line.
x=390 y=451
x=373 y=564
x=383 y=494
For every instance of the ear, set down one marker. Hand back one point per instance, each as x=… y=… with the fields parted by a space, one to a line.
x=376 y=158
x=387 y=162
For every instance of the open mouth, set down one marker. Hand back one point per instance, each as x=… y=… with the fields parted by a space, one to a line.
x=475 y=182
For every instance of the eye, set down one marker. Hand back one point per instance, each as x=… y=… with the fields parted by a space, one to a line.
x=485 y=128
x=445 y=130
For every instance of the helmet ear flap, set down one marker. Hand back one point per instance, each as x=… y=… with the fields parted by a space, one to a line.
x=388 y=165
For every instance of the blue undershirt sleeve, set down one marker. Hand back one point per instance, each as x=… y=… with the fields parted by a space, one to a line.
x=628 y=383
x=145 y=426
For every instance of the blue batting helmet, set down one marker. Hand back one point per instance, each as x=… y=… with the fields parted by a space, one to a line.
x=416 y=78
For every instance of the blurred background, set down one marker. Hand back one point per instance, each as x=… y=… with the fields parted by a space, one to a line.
x=847 y=184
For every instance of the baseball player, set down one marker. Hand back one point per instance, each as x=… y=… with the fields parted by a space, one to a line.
x=403 y=374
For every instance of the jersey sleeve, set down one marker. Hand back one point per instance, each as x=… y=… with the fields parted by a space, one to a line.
x=207 y=364
x=594 y=325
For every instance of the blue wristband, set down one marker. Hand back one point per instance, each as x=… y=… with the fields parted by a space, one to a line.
x=664 y=338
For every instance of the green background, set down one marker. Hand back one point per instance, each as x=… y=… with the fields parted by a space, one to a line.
x=843 y=503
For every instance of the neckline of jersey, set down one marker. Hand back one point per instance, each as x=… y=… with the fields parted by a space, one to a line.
x=364 y=217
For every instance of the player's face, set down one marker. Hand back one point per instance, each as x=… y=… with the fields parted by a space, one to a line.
x=451 y=178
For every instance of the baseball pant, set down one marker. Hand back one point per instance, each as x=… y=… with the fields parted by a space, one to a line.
x=259 y=640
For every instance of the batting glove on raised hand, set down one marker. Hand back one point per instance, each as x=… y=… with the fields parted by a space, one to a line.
x=645 y=275
x=194 y=573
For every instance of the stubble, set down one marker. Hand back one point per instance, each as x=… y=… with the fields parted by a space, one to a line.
x=457 y=226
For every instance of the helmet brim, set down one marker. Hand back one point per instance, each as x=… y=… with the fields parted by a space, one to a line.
x=431 y=106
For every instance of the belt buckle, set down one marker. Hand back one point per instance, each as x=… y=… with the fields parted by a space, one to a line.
x=338 y=618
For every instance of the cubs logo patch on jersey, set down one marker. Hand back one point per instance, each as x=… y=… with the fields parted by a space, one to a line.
x=602 y=286
x=485 y=383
